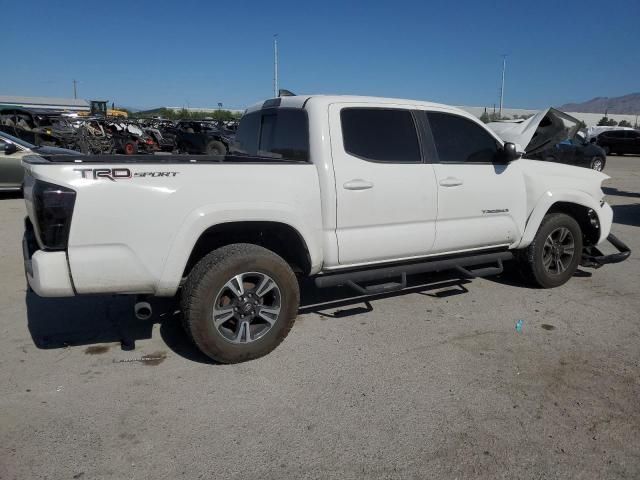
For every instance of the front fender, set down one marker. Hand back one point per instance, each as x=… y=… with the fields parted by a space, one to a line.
x=203 y=218
x=551 y=197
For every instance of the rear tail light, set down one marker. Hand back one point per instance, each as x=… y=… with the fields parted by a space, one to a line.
x=52 y=208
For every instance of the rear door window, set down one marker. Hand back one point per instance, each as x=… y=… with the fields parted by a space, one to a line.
x=380 y=135
x=274 y=133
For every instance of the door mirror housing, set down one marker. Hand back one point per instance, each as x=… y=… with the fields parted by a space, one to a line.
x=10 y=148
x=510 y=151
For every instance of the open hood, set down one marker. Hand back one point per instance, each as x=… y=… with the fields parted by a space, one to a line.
x=544 y=129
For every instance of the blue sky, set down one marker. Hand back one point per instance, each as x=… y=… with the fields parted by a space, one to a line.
x=199 y=53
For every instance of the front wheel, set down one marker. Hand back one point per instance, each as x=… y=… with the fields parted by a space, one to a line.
x=239 y=302
x=597 y=163
x=554 y=255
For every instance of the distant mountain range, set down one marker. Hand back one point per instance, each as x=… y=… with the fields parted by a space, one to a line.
x=627 y=104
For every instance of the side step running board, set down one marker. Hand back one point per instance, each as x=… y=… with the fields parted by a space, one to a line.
x=460 y=264
x=481 y=272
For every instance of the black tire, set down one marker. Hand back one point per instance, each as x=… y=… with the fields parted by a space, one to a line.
x=130 y=147
x=214 y=147
x=532 y=258
x=208 y=280
x=597 y=163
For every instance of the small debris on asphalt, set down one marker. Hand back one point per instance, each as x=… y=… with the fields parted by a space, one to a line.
x=519 y=325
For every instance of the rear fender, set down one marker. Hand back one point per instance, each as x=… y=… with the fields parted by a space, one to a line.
x=203 y=218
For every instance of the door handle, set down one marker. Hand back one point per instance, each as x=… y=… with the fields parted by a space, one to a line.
x=451 y=182
x=357 y=184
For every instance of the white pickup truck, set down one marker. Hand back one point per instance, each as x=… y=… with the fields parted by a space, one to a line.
x=349 y=190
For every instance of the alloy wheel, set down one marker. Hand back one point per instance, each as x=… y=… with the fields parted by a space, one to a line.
x=596 y=164
x=246 y=307
x=558 y=251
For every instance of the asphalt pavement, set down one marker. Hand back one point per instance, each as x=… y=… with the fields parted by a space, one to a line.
x=435 y=382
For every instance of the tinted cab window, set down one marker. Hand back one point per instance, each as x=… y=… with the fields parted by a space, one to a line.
x=459 y=140
x=380 y=135
x=273 y=133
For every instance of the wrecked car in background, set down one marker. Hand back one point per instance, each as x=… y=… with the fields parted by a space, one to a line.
x=203 y=137
x=40 y=127
x=88 y=135
x=551 y=135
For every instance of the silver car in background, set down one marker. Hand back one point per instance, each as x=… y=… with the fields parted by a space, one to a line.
x=12 y=149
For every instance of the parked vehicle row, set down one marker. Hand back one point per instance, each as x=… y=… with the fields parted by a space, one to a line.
x=106 y=135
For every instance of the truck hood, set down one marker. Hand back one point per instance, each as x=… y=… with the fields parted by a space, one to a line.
x=536 y=133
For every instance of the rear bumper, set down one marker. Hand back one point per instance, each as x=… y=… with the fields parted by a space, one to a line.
x=592 y=257
x=47 y=272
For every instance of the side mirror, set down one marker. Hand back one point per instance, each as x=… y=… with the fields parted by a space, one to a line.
x=10 y=149
x=510 y=152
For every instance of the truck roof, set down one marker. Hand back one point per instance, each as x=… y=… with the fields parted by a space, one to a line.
x=299 y=101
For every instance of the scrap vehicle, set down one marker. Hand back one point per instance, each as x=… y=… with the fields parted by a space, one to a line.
x=552 y=136
x=56 y=129
x=129 y=138
x=40 y=127
x=619 y=142
x=161 y=131
x=12 y=150
x=202 y=137
x=352 y=191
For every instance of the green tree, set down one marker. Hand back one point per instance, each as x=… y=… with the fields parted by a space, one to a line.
x=485 y=117
x=607 y=122
x=581 y=125
x=624 y=123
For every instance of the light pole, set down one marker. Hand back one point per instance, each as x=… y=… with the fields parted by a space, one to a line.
x=504 y=67
x=275 y=65
x=75 y=92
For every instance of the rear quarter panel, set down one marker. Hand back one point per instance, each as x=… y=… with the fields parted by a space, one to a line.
x=134 y=235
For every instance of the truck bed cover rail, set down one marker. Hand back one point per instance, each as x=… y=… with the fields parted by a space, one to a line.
x=162 y=159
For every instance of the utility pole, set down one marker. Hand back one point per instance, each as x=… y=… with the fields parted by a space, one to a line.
x=504 y=67
x=275 y=65
x=75 y=91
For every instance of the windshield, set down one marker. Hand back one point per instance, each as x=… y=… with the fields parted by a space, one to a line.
x=16 y=140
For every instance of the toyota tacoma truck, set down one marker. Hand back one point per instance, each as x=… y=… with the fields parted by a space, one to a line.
x=352 y=191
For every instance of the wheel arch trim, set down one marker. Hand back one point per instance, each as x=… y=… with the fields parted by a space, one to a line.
x=205 y=218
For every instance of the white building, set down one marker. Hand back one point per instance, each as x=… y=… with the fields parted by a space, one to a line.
x=45 y=103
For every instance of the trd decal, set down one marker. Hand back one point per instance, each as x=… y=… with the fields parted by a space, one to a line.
x=114 y=174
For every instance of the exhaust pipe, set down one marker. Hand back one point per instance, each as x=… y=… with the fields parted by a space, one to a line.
x=143 y=310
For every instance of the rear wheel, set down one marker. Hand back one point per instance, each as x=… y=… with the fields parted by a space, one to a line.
x=597 y=163
x=130 y=148
x=239 y=302
x=553 y=256
x=216 y=148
